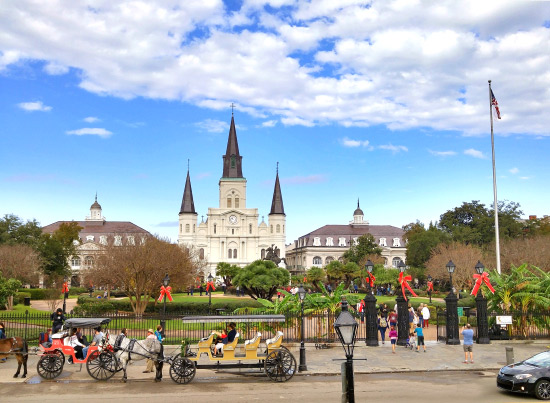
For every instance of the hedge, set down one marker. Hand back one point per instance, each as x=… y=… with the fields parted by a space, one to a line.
x=95 y=305
x=20 y=297
x=36 y=293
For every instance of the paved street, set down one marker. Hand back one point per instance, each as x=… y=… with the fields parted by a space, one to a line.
x=380 y=374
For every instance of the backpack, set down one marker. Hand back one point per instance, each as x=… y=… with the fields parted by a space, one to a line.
x=383 y=322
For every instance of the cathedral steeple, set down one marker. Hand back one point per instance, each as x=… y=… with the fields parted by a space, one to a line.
x=277 y=206
x=187 y=203
x=232 y=160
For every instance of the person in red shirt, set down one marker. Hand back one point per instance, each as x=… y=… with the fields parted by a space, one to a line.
x=392 y=318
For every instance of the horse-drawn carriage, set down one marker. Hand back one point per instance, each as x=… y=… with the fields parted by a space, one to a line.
x=100 y=361
x=276 y=361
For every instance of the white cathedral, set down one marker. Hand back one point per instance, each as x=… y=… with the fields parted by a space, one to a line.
x=231 y=232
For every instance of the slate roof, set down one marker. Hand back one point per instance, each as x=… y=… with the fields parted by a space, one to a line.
x=97 y=228
x=187 y=203
x=232 y=151
x=277 y=206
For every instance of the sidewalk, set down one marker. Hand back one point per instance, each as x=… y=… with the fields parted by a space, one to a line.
x=439 y=357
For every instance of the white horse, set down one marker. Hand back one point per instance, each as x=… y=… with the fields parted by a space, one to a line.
x=135 y=350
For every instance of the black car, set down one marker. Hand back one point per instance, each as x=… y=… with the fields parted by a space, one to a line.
x=531 y=376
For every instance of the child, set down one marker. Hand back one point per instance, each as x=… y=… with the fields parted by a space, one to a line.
x=393 y=338
x=420 y=335
x=219 y=346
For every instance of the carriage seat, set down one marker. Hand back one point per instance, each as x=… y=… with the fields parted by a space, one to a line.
x=275 y=342
x=253 y=344
x=206 y=341
x=231 y=346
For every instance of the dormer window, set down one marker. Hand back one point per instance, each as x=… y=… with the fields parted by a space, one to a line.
x=131 y=240
x=341 y=241
x=118 y=240
x=103 y=240
x=330 y=242
x=89 y=238
x=316 y=241
x=396 y=243
x=383 y=242
x=355 y=241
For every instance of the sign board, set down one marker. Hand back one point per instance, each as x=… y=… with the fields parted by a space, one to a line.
x=504 y=320
x=460 y=311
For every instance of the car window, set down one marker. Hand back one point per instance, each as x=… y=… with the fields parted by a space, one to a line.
x=540 y=360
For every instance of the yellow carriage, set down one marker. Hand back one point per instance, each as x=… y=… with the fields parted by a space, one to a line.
x=277 y=361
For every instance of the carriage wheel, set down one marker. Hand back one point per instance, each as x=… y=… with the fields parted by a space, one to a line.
x=101 y=365
x=280 y=365
x=182 y=370
x=50 y=365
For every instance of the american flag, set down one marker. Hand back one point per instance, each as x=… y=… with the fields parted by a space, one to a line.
x=495 y=104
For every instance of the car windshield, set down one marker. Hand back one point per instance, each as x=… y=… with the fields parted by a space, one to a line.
x=540 y=360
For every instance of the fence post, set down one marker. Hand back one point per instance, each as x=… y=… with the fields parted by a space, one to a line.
x=26 y=316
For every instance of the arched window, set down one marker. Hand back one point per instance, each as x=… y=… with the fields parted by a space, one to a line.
x=229 y=253
x=317 y=261
x=395 y=261
x=187 y=228
x=278 y=228
x=88 y=261
x=236 y=202
x=75 y=261
x=194 y=226
x=201 y=253
x=181 y=228
x=234 y=253
x=214 y=228
x=250 y=228
x=272 y=229
x=329 y=259
x=229 y=202
x=262 y=254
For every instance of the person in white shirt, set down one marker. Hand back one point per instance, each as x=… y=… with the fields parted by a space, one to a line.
x=76 y=345
x=425 y=316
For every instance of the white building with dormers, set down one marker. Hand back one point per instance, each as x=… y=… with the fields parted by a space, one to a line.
x=231 y=232
x=96 y=232
x=330 y=242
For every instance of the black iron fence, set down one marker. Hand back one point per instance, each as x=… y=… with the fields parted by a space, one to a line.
x=529 y=325
x=318 y=327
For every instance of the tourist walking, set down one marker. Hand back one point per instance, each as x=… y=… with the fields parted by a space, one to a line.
x=425 y=316
x=382 y=327
x=420 y=336
x=468 y=335
x=393 y=338
x=392 y=318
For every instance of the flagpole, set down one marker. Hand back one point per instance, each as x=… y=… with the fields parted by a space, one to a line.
x=497 y=238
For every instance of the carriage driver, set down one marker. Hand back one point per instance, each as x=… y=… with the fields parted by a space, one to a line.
x=97 y=340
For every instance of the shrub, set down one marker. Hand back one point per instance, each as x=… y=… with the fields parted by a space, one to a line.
x=20 y=297
x=38 y=293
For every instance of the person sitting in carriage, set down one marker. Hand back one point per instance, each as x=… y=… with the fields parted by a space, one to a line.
x=229 y=339
x=76 y=345
x=96 y=341
x=45 y=339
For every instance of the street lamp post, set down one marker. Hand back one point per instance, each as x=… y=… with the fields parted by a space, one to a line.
x=346 y=329
x=302 y=295
x=165 y=283
x=209 y=286
x=451 y=303
x=429 y=278
x=65 y=294
x=370 y=308
x=402 y=312
x=481 y=305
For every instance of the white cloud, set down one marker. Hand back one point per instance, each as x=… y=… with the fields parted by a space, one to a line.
x=269 y=123
x=91 y=131
x=212 y=125
x=474 y=153
x=91 y=119
x=34 y=106
x=394 y=63
x=514 y=170
x=392 y=148
x=346 y=142
x=442 y=153
x=525 y=178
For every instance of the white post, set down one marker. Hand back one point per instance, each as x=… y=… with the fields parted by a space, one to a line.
x=497 y=238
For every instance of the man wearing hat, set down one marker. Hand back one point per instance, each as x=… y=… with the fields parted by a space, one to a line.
x=150 y=363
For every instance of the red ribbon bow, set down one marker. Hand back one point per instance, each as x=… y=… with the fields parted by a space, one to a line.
x=404 y=281
x=370 y=279
x=165 y=291
x=210 y=285
x=430 y=286
x=482 y=278
x=65 y=288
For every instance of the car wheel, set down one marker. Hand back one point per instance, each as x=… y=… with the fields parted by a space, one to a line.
x=542 y=389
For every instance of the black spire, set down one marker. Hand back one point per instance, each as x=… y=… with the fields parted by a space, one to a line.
x=187 y=203
x=232 y=161
x=277 y=203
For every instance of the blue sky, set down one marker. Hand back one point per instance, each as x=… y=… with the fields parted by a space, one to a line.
x=386 y=101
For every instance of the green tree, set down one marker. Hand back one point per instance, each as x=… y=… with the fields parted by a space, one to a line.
x=261 y=278
x=316 y=276
x=8 y=288
x=56 y=249
x=14 y=231
x=227 y=272
x=421 y=243
x=366 y=247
